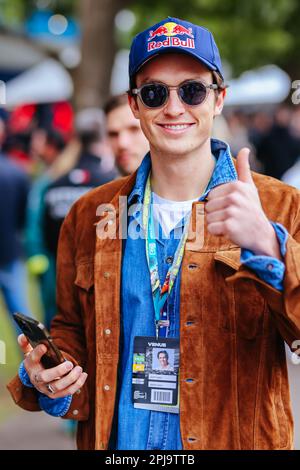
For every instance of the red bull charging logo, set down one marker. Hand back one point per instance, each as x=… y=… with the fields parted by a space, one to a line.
x=171 y=30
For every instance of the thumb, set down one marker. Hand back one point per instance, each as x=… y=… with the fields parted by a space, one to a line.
x=243 y=166
x=24 y=344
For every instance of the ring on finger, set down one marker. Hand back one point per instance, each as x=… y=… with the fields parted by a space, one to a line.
x=50 y=388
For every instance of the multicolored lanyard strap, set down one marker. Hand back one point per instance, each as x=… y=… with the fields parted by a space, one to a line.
x=160 y=294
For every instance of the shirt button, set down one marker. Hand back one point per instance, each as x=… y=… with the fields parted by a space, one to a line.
x=75 y=412
x=270 y=267
x=169 y=259
x=107 y=331
x=106 y=275
x=106 y=388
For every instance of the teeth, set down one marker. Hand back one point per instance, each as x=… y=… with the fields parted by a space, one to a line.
x=176 y=127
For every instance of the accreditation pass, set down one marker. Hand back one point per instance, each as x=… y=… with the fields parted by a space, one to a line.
x=155 y=374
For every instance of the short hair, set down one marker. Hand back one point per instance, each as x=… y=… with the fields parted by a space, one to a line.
x=218 y=80
x=163 y=352
x=115 y=102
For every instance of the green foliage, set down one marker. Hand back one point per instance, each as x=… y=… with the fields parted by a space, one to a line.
x=249 y=33
x=15 y=12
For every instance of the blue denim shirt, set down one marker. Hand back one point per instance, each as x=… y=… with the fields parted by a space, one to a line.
x=139 y=428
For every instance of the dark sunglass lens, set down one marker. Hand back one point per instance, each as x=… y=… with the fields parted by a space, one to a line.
x=193 y=93
x=154 y=95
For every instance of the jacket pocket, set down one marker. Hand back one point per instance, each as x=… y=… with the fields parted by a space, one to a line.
x=85 y=276
x=242 y=307
x=86 y=293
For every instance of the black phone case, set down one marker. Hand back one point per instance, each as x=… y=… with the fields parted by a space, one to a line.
x=36 y=333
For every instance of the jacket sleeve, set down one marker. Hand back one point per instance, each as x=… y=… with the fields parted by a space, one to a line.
x=269 y=269
x=285 y=305
x=67 y=328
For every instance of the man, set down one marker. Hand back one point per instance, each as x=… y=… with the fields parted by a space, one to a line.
x=125 y=135
x=86 y=171
x=47 y=144
x=223 y=288
x=278 y=141
x=163 y=358
x=14 y=187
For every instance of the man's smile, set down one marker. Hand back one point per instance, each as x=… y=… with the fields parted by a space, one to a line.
x=176 y=128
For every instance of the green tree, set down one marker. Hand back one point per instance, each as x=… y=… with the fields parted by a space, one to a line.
x=249 y=33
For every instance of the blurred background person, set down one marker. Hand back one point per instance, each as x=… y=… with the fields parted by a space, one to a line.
x=88 y=168
x=260 y=123
x=125 y=135
x=292 y=176
x=279 y=149
x=20 y=125
x=14 y=186
x=40 y=262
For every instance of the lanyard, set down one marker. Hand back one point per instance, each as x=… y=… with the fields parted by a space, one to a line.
x=160 y=293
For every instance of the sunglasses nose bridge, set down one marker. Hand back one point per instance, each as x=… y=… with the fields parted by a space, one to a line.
x=174 y=102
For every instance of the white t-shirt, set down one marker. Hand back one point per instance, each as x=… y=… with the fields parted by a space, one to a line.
x=168 y=213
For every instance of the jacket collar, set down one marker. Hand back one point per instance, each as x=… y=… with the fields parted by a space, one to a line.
x=224 y=172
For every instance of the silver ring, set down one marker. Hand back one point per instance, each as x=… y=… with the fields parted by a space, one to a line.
x=50 y=388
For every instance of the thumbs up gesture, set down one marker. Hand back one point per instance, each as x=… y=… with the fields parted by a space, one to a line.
x=234 y=211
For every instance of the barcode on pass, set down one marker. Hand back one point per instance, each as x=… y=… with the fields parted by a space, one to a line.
x=161 y=396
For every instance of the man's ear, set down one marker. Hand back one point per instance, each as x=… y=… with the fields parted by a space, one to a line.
x=220 y=102
x=132 y=101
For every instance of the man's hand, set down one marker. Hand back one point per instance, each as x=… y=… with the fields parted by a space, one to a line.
x=234 y=210
x=64 y=379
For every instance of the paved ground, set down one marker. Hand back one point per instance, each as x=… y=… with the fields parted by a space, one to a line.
x=34 y=431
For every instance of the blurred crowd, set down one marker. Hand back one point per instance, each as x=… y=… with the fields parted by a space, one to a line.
x=51 y=156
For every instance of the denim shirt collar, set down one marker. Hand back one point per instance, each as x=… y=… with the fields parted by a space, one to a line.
x=224 y=172
x=137 y=194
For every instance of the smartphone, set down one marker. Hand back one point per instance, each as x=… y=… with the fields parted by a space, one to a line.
x=36 y=333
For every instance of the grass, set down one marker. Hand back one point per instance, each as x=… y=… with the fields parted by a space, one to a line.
x=13 y=354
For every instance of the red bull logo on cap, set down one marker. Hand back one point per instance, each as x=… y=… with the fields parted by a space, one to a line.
x=171 y=30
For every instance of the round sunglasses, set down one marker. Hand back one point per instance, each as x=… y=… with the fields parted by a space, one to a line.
x=190 y=92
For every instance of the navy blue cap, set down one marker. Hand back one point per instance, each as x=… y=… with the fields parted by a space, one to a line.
x=174 y=35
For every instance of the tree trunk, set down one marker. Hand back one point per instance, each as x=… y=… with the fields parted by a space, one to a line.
x=98 y=51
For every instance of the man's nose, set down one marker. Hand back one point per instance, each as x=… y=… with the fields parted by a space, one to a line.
x=174 y=106
x=124 y=139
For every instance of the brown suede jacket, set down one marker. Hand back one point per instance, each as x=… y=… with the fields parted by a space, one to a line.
x=232 y=324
